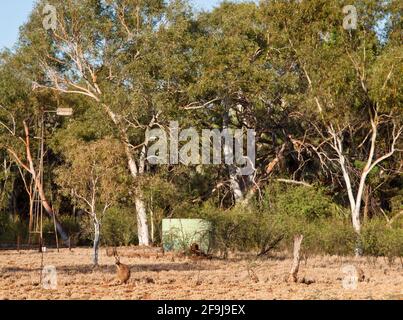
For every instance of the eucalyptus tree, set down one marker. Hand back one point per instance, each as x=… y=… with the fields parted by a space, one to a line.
x=344 y=98
x=233 y=82
x=111 y=53
x=94 y=178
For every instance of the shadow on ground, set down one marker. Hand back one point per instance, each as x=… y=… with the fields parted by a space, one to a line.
x=88 y=269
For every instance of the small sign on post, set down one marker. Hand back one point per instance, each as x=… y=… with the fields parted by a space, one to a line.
x=65 y=112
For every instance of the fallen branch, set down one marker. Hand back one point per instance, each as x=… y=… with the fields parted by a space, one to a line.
x=295 y=182
x=270 y=246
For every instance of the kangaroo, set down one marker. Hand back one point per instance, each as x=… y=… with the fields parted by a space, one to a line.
x=123 y=271
x=195 y=251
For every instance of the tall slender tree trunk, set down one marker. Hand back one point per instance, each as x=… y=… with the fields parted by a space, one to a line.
x=233 y=176
x=49 y=210
x=97 y=235
x=142 y=225
x=31 y=216
x=366 y=202
x=36 y=178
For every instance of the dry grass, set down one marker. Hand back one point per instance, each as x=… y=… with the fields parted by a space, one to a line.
x=155 y=276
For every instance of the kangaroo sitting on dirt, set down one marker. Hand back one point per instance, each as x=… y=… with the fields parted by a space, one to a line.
x=123 y=271
x=196 y=251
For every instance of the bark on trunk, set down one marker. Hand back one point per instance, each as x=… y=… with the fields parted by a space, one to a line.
x=152 y=223
x=31 y=169
x=50 y=212
x=31 y=215
x=366 y=202
x=356 y=219
x=96 y=241
x=142 y=225
x=233 y=176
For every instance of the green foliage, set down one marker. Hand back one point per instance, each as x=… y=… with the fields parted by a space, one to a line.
x=310 y=203
x=118 y=227
x=325 y=232
x=397 y=204
x=231 y=230
x=334 y=236
x=264 y=66
x=11 y=227
x=380 y=240
x=264 y=231
x=69 y=224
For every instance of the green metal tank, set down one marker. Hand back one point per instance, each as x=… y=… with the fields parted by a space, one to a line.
x=180 y=234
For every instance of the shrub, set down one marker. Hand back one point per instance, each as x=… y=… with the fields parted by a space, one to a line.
x=227 y=228
x=70 y=225
x=259 y=228
x=310 y=203
x=378 y=239
x=118 y=227
x=333 y=236
x=11 y=227
x=243 y=230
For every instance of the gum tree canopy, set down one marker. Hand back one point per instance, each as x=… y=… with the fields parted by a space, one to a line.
x=324 y=100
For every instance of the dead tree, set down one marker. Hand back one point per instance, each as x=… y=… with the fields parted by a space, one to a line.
x=297 y=258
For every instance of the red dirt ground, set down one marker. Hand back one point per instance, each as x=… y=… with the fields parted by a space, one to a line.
x=156 y=276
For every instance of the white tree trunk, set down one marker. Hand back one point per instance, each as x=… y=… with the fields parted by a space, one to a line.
x=142 y=226
x=236 y=189
x=355 y=204
x=337 y=145
x=356 y=219
x=233 y=177
x=97 y=234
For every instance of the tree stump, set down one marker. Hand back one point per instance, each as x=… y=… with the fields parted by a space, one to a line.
x=297 y=258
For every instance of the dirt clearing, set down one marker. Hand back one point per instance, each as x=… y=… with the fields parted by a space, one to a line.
x=156 y=276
